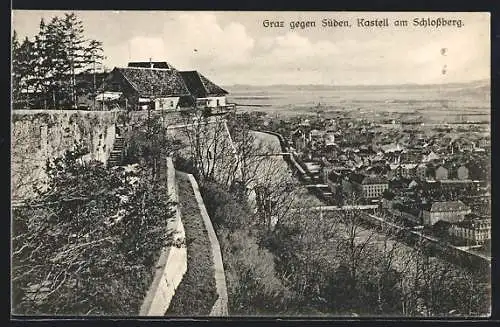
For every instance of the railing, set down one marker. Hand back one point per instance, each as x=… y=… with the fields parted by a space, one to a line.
x=221 y=109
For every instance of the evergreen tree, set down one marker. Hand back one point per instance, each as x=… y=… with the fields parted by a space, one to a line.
x=58 y=53
x=43 y=64
x=15 y=73
x=93 y=56
x=23 y=63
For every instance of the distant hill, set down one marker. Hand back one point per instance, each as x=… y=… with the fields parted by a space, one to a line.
x=473 y=88
x=479 y=85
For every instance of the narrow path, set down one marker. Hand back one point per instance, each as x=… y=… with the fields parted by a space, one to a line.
x=220 y=306
x=196 y=293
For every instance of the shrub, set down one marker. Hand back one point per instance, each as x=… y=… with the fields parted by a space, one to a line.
x=87 y=244
x=253 y=287
x=224 y=208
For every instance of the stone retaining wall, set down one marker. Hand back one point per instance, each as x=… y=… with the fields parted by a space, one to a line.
x=38 y=135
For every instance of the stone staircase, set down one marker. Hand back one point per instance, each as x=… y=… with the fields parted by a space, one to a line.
x=115 y=157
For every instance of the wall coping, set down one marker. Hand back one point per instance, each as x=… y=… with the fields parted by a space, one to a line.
x=163 y=281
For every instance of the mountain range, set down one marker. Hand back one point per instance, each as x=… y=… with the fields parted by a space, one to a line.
x=478 y=85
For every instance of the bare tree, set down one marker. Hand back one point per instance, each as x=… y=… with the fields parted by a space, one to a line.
x=240 y=156
x=209 y=147
x=306 y=245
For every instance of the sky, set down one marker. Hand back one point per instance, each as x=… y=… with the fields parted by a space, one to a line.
x=236 y=48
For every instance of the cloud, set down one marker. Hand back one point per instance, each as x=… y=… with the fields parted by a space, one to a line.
x=142 y=48
x=229 y=53
x=197 y=39
x=233 y=47
x=297 y=49
x=466 y=58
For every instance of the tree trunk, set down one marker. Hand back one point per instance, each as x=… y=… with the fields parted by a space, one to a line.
x=27 y=98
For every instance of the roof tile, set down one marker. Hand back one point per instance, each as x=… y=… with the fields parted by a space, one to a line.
x=155 y=82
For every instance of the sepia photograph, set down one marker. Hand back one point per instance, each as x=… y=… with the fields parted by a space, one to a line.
x=186 y=164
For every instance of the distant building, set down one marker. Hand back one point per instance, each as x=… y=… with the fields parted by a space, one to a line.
x=462 y=173
x=430 y=157
x=476 y=231
x=484 y=143
x=305 y=123
x=332 y=125
x=409 y=170
x=449 y=211
x=441 y=173
x=329 y=139
x=458 y=185
x=377 y=170
x=315 y=135
x=331 y=151
x=369 y=187
x=413 y=184
x=392 y=148
x=312 y=167
x=466 y=145
x=395 y=171
x=421 y=171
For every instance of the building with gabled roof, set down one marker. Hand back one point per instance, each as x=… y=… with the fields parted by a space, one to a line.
x=440 y=173
x=430 y=157
x=462 y=172
x=155 y=82
x=369 y=187
x=153 y=88
x=158 y=85
x=378 y=170
x=206 y=93
x=211 y=87
x=450 y=211
x=473 y=230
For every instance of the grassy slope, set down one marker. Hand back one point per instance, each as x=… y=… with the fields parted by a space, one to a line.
x=196 y=293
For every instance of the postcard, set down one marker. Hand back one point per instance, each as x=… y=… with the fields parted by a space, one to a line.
x=251 y=164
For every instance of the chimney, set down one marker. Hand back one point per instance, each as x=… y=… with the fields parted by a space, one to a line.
x=150 y=63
